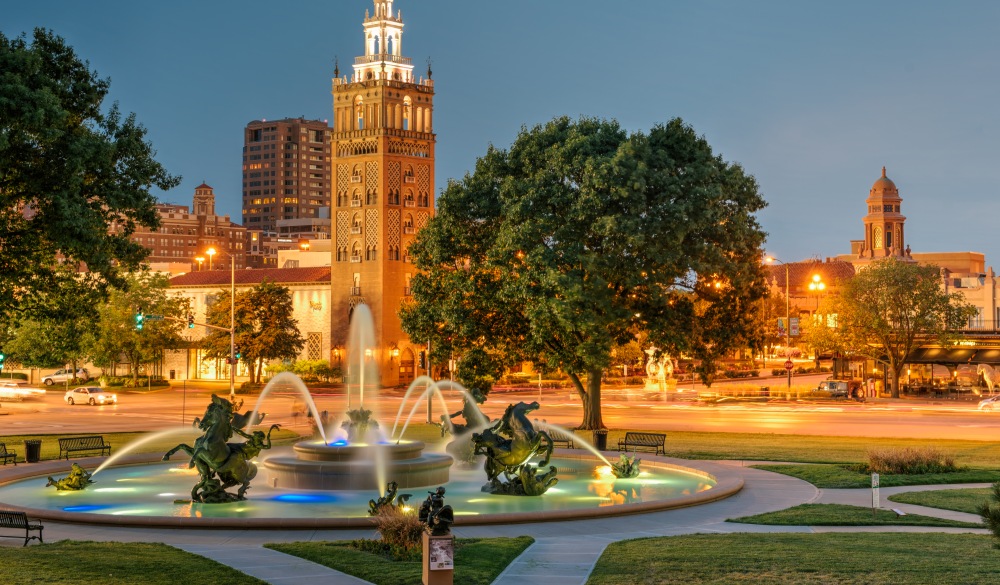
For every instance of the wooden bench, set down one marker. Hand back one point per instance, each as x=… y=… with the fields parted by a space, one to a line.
x=69 y=445
x=563 y=441
x=5 y=455
x=643 y=441
x=19 y=521
x=899 y=513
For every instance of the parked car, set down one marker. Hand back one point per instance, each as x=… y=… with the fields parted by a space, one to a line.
x=92 y=395
x=66 y=376
x=990 y=404
x=836 y=388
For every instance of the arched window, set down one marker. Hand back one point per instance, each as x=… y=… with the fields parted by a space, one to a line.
x=375 y=46
x=407 y=106
x=356 y=198
x=359 y=110
x=877 y=239
x=371 y=253
x=356 y=252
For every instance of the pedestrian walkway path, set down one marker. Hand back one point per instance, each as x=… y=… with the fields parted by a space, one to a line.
x=564 y=553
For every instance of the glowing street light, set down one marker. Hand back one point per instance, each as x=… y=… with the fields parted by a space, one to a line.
x=232 y=319
x=817 y=286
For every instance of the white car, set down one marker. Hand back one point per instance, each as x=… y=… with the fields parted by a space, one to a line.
x=92 y=395
x=990 y=404
x=66 y=376
x=18 y=391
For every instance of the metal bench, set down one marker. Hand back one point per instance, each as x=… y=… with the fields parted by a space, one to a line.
x=69 y=445
x=19 y=521
x=634 y=441
x=566 y=441
x=7 y=455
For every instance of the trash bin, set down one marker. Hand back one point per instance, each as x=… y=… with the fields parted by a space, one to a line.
x=32 y=451
x=172 y=374
x=765 y=391
x=601 y=439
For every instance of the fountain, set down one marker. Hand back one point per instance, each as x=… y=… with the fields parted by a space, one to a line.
x=328 y=482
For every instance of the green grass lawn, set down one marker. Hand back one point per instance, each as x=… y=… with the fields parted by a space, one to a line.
x=839 y=476
x=843 y=515
x=964 y=500
x=478 y=561
x=794 y=559
x=114 y=563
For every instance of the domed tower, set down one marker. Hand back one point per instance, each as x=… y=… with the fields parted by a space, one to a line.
x=383 y=145
x=884 y=233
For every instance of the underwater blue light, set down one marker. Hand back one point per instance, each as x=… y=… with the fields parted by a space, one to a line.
x=89 y=508
x=340 y=443
x=304 y=498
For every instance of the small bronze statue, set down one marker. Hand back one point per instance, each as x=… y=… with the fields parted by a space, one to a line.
x=359 y=422
x=435 y=514
x=389 y=500
x=626 y=467
x=77 y=479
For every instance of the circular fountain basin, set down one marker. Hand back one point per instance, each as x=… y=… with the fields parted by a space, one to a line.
x=147 y=495
x=318 y=466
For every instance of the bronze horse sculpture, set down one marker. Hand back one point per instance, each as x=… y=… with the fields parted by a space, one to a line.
x=222 y=464
x=508 y=446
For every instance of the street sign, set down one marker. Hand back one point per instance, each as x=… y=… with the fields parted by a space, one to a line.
x=793 y=326
x=875 y=495
x=789 y=365
x=154 y=317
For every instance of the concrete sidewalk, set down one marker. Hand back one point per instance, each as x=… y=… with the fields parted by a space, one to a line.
x=564 y=553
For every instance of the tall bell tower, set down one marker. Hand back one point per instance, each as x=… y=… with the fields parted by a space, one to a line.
x=884 y=224
x=383 y=188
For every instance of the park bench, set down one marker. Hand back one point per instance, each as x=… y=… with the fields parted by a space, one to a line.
x=19 y=521
x=634 y=441
x=69 y=445
x=566 y=441
x=5 y=454
x=899 y=513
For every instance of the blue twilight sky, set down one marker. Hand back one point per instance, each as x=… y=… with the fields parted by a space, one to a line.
x=811 y=97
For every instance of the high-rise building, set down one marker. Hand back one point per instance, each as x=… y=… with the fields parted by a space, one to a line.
x=383 y=157
x=185 y=234
x=286 y=171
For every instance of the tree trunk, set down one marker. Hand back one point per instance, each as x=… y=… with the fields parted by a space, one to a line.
x=894 y=382
x=591 y=399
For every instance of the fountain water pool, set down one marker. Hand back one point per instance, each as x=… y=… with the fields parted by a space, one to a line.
x=145 y=495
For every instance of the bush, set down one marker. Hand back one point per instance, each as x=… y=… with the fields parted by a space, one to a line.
x=741 y=373
x=129 y=382
x=400 y=532
x=910 y=461
x=13 y=376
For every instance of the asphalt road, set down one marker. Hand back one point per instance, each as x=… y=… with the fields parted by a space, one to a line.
x=621 y=409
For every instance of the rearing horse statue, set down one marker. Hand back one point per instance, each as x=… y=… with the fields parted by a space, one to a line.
x=990 y=376
x=219 y=463
x=508 y=446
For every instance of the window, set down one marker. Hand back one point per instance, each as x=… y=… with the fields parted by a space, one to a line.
x=314 y=346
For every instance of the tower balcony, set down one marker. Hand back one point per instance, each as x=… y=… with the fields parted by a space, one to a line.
x=383 y=57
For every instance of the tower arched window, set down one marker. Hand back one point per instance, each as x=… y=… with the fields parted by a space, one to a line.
x=877 y=239
x=356 y=252
x=407 y=108
x=375 y=46
x=359 y=112
x=371 y=253
x=389 y=44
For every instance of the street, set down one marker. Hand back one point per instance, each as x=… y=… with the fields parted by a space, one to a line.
x=622 y=408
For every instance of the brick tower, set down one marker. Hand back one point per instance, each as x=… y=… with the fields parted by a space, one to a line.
x=383 y=188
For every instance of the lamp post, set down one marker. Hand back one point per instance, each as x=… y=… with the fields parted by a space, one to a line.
x=788 y=323
x=199 y=260
x=232 y=319
x=817 y=286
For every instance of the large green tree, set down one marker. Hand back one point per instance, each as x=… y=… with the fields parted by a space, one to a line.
x=75 y=179
x=580 y=235
x=891 y=307
x=264 y=327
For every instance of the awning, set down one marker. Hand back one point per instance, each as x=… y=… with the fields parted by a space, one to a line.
x=953 y=355
x=941 y=355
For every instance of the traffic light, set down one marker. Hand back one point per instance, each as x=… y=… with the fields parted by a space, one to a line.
x=140 y=318
x=190 y=321
x=422 y=359
x=237 y=352
x=3 y=357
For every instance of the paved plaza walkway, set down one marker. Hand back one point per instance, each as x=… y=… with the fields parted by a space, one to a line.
x=564 y=553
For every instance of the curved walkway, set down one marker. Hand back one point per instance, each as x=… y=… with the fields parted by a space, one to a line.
x=563 y=552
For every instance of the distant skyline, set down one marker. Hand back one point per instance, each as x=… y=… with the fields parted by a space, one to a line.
x=812 y=98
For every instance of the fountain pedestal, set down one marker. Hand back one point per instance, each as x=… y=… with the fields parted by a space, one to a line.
x=316 y=466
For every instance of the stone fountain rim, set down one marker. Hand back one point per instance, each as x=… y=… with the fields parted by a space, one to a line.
x=728 y=483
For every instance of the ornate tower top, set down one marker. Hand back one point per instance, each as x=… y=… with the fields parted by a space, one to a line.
x=383 y=38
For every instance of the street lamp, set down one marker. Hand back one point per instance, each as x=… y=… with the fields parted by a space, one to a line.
x=788 y=323
x=232 y=320
x=199 y=260
x=818 y=286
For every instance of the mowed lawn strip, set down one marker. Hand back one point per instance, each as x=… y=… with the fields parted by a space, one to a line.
x=478 y=561
x=965 y=500
x=844 y=515
x=841 y=476
x=114 y=563
x=796 y=559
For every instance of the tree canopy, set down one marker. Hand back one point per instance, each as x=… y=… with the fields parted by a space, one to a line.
x=74 y=179
x=579 y=236
x=891 y=307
